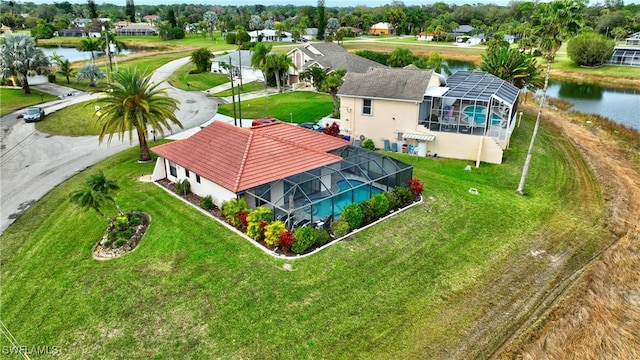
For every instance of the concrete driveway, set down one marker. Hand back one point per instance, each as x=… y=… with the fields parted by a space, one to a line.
x=33 y=163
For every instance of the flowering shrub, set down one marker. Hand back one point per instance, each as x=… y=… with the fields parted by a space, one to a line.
x=257 y=220
x=332 y=129
x=286 y=239
x=235 y=211
x=272 y=233
x=416 y=187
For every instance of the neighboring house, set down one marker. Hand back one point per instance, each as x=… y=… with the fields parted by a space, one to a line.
x=470 y=117
x=81 y=22
x=511 y=39
x=289 y=169
x=310 y=33
x=151 y=18
x=351 y=31
x=463 y=30
x=382 y=28
x=329 y=56
x=269 y=35
x=628 y=54
x=73 y=32
x=241 y=65
x=122 y=23
x=137 y=29
x=428 y=36
x=471 y=40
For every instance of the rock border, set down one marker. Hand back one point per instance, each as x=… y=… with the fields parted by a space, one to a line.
x=100 y=252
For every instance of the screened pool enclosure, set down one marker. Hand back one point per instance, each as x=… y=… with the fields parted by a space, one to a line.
x=319 y=195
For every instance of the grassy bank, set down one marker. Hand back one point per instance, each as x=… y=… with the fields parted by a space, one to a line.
x=12 y=99
x=74 y=120
x=451 y=276
x=302 y=106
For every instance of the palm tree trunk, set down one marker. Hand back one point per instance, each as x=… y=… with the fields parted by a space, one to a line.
x=144 y=147
x=277 y=72
x=25 y=84
x=68 y=82
x=527 y=161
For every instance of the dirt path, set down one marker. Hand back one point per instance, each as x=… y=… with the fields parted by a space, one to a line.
x=599 y=314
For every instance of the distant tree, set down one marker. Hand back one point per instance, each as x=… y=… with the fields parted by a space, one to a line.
x=269 y=24
x=512 y=66
x=497 y=41
x=259 y=58
x=590 y=49
x=90 y=72
x=255 y=23
x=331 y=85
x=93 y=10
x=65 y=69
x=19 y=56
x=130 y=11
x=316 y=74
x=280 y=29
x=278 y=64
x=42 y=31
x=210 y=21
x=332 y=26
x=90 y=45
x=108 y=42
x=171 y=17
x=202 y=60
x=401 y=57
x=134 y=103
x=320 y=21
x=438 y=63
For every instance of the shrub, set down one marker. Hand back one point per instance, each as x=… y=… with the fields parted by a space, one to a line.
x=206 y=202
x=272 y=233
x=183 y=187
x=332 y=129
x=368 y=211
x=286 y=240
x=257 y=221
x=119 y=242
x=369 y=144
x=339 y=228
x=403 y=196
x=231 y=38
x=352 y=214
x=321 y=237
x=590 y=49
x=201 y=58
x=416 y=187
x=122 y=222
x=233 y=210
x=393 y=200
x=135 y=218
x=51 y=78
x=379 y=204
x=305 y=238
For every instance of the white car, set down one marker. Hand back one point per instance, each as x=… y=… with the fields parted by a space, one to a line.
x=33 y=114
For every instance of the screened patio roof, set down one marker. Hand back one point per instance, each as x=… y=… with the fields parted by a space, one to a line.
x=475 y=85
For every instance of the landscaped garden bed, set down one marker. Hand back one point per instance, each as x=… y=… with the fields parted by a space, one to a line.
x=258 y=224
x=122 y=235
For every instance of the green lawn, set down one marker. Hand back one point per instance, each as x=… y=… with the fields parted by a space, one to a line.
x=303 y=106
x=246 y=87
x=181 y=79
x=75 y=120
x=12 y=99
x=412 y=287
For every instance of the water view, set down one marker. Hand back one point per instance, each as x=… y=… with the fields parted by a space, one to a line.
x=73 y=54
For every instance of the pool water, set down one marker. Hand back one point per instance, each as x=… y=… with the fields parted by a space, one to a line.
x=479 y=114
x=363 y=192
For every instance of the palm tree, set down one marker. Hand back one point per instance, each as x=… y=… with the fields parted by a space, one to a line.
x=554 y=22
x=315 y=74
x=90 y=45
x=278 y=63
x=512 y=66
x=95 y=193
x=19 y=56
x=436 y=62
x=65 y=69
x=259 y=58
x=89 y=199
x=331 y=84
x=132 y=102
x=90 y=72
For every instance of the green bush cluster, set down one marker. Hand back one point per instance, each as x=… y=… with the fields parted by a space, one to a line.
x=590 y=49
x=183 y=187
x=404 y=196
x=339 y=228
x=307 y=237
x=353 y=215
x=206 y=202
x=369 y=144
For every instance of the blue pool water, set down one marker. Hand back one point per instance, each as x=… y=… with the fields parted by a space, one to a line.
x=322 y=209
x=479 y=114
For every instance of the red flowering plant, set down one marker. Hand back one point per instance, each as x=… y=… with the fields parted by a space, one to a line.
x=242 y=220
x=332 y=129
x=286 y=239
x=416 y=187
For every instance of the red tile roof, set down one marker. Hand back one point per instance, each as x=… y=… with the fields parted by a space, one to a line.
x=240 y=158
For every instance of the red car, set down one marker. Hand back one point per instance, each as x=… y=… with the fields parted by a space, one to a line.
x=263 y=121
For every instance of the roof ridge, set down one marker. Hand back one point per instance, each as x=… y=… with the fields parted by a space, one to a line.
x=294 y=143
x=236 y=184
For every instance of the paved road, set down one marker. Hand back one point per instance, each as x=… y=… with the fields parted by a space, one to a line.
x=33 y=163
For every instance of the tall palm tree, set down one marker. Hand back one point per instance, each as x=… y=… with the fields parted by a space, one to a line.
x=65 y=69
x=19 y=56
x=554 y=21
x=132 y=102
x=278 y=63
x=90 y=45
x=436 y=62
x=512 y=66
x=259 y=58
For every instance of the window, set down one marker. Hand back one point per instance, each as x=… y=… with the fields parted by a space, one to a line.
x=198 y=178
x=186 y=173
x=172 y=169
x=367 y=106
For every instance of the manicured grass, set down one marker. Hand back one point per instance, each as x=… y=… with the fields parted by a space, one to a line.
x=246 y=87
x=304 y=106
x=414 y=286
x=201 y=81
x=74 y=120
x=12 y=99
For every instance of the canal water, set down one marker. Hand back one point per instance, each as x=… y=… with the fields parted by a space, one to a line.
x=72 y=54
x=620 y=106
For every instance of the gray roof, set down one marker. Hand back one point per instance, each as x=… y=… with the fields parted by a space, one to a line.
x=245 y=57
x=479 y=85
x=463 y=29
x=387 y=83
x=332 y=56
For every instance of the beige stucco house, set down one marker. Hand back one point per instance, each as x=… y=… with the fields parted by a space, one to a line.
x=469 y=116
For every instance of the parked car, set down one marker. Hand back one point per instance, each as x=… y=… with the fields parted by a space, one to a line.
x=312 y=126
x=33 y=114
x=263 y=121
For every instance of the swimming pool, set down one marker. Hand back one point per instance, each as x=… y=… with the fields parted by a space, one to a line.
x=359 y=194
x=479 y=114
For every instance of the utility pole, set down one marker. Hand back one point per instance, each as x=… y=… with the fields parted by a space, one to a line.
x=240 y=88
x=233 y=95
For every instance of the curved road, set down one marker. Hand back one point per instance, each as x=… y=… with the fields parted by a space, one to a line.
x=33 y=163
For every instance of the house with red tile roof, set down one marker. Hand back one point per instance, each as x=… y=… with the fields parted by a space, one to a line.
x=279 y=165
